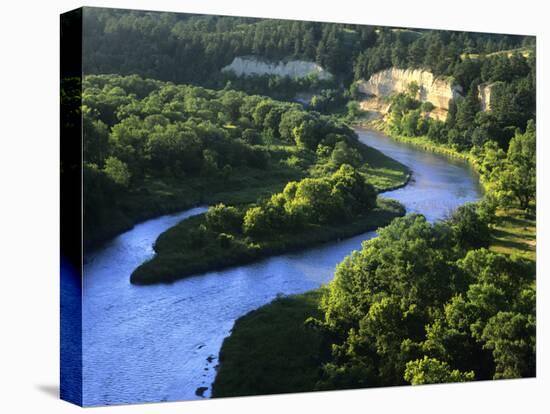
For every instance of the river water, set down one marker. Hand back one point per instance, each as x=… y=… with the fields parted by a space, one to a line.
x=161 y=342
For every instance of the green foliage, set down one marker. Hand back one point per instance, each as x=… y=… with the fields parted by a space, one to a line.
x=117 y=171
x=257 y=222
x=192 y=247
x=427 y=106
x=432 y=371
x=312 y=201
x=161 y=45
x=420 y=299
x=471 y=227
x=511 y=337
x=512 y=177
x=222 y=218
x=139 y=131
x=519 y=175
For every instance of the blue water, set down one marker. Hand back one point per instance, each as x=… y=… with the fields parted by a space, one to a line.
x=161 y=342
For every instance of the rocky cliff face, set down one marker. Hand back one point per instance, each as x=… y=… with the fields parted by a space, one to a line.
x=251 y=66
x=438 y=91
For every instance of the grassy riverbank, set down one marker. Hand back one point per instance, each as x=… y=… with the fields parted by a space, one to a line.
x=179 y=254
x=422 y=141
x=272 y=351
x=514 y=232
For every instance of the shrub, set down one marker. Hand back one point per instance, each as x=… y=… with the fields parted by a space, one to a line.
x=222 y=218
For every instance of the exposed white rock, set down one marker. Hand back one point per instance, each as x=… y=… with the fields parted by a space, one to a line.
x=432 y=89
x=252 y=66
x=486 y=93
x=375 y=104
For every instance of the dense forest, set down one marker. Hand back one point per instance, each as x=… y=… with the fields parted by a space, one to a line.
x=187 y=48
x=193 y=48
x=427 y=303
x=152 y=147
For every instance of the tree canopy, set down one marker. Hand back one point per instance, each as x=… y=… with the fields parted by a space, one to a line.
x=418 y=305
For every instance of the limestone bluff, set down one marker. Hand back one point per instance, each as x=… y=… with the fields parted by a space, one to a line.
x=376 y=90
x=254 y=66
x=437 y=90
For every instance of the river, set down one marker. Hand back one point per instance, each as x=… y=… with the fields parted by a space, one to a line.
x=161 y=342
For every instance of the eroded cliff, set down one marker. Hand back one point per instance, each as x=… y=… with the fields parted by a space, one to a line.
x=387 y=82
x=252 y=66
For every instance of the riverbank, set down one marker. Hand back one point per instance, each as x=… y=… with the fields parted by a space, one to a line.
x=208 y=305
x=156 y=197
x=175 y=259
x=513 y=232
x=421 y=142
x=271 y=351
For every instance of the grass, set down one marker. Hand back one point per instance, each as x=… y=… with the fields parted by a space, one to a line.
x=180 y=255
x=271 y=351
x=383 y=172
x=524 y=51
x=514 y=232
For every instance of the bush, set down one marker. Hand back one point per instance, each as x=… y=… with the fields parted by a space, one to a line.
x=256 y=222
x=258 y=158
x=432 y=371
x=222 y=218
x=252 y=137
x=343 y=154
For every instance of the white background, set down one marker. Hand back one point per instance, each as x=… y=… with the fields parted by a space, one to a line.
x=29 y=207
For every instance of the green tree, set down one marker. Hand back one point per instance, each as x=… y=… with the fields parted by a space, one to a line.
x=224 y=219
x=470 y=230
x=117 y=171
x=518 y=178
x=256 y=222
x=95 y=139
x=343 y=154
x=511 y=337
x=432 y=371
x=409 y=123
x=251 y=136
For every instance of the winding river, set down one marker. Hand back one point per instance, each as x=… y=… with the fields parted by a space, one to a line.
x=161 y=342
